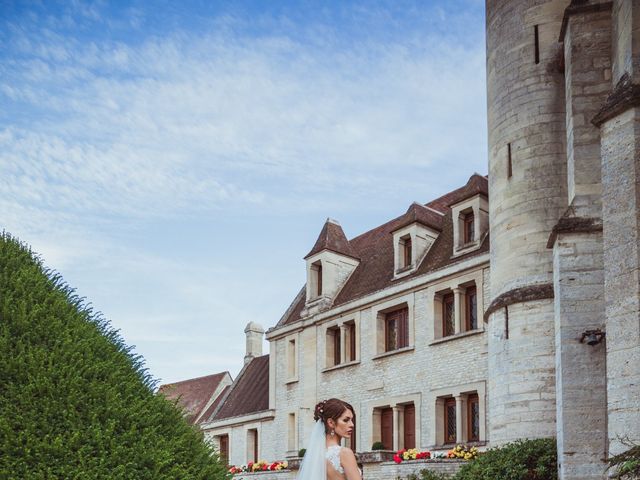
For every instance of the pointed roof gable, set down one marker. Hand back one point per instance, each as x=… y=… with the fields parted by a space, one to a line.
x=418 y=213
x=193 y=394
x=332 y=238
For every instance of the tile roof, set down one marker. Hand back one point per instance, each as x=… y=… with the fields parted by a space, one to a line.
x=250 y=391
x=193 y=394
x=206 y=415
x=375 y=249
x=332 y=238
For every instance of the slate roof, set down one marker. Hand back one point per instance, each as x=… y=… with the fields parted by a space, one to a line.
x=193 y=394
x=375 y=248
x=250 y=391
x=332 y=238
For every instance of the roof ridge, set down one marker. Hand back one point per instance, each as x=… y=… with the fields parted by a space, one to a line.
x=193 y=379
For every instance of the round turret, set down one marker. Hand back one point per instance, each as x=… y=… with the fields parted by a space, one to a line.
x=527 y=195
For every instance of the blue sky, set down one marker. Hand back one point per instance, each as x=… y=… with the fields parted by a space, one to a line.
x=176 y=161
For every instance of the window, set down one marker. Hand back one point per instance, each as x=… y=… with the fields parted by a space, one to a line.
x=351 y=341
x=333 y=346
x=396 y=329
x=469 y=227
x=252 y=445
x=448 y=315
x=386 y=423
x=473 y=418
x=409 y=426
x=292 y=443
x=450 y=420
x=224 y=448
x=536 y=39
x=471 y=307
x=316 y=277
x=405 y=243
x=509 y=162
x=292 y=370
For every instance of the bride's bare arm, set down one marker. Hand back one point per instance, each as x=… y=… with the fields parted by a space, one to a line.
x=349 y=464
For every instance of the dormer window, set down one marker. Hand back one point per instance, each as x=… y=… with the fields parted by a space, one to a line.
x=468 y=221
x=471 y=223
x=316 y=278
x=329 y=264
x=405 y=245
x=412 y=239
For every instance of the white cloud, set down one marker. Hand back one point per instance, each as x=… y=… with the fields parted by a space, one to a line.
x=101 y=140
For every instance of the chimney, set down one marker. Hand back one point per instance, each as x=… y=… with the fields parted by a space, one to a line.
x=254 y=334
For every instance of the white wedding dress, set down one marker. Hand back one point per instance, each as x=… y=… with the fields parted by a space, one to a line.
x=314 y=464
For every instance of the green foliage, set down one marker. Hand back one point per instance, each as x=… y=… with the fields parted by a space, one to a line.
x=626 y=465
x=377 y=446
x=75 y=401
x=429 y=475
x=520 y=460
x=301 y=452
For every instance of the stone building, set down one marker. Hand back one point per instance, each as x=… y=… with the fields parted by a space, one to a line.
x=390 y=321
x=563 y=320
x=438 y=337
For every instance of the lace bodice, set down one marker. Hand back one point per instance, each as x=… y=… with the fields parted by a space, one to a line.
x=333 y=456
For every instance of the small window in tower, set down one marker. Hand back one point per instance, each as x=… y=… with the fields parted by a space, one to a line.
x=537 y=43
x=469 y=228
x=509 y=162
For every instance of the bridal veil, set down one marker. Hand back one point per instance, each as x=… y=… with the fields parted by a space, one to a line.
x=314 y=464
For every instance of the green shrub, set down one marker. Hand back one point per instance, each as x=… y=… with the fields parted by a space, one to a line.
x=429 y=475
x=377 y=446
x=520 y=460
x=75 y=401
x=626 y=465
x=301 y=452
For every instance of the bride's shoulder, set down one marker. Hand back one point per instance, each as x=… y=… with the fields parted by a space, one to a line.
x=346 y=452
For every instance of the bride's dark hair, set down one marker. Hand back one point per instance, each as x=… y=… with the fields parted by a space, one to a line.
x=332 y=408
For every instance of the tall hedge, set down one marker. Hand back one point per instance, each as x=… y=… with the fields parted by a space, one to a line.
x=75 y=402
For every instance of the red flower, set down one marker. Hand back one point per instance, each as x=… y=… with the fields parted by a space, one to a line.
x=397 y=458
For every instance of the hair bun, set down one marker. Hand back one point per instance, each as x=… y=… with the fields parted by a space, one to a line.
x=318 y=412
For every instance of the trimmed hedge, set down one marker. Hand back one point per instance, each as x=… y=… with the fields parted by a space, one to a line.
x=520 y=460
x=75 y=402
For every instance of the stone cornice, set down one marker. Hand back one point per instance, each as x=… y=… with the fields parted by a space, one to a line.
x=625 y=95
x=574 y=225
x=240 y=419
x=388 y=292
x=527 y=293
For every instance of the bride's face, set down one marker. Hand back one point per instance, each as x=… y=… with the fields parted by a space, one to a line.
x=344 y=424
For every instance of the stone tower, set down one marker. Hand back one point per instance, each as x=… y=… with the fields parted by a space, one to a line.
x=527 y=195
x=564 y=344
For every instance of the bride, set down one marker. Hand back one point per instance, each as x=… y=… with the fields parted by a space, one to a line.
x=325 y=459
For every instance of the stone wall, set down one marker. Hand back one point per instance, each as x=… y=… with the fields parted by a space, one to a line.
x=410 y=375
x=372 y=471
x=620 y=179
